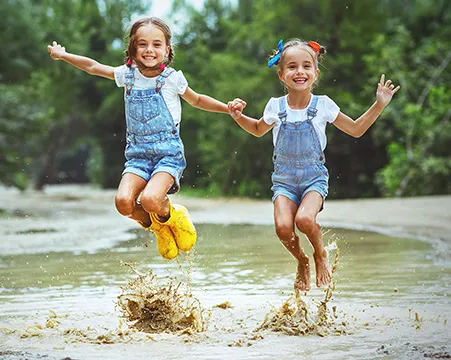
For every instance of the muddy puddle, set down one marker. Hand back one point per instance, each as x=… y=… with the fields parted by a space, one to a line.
x=232 y=297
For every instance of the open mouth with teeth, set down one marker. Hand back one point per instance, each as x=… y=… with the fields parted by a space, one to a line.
x=300 y=81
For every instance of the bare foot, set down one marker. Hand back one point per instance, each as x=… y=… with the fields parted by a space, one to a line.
x=302 y=282
x=323 y=272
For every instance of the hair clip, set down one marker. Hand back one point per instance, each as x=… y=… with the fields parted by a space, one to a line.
x=276 y=57
x=315 y=46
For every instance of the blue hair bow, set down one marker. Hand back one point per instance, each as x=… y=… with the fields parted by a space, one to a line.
x=276 y=57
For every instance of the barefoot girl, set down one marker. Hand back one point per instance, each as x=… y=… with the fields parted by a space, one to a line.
x=300 y=178
x=154 y=151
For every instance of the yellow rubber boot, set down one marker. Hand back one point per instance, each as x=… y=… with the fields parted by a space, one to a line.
x=167 y=247
x=182 y=227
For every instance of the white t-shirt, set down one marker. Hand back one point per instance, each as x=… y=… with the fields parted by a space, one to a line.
x=327 y=113
x=174 y=86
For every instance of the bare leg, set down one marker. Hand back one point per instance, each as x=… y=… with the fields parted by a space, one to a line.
x=284 y=213
x=154 y=197
x=129 y=189
x=306 y=223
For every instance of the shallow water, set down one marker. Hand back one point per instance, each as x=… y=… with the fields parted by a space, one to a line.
x=392 y=298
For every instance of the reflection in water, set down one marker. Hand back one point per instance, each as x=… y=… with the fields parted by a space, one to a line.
x=393 y=298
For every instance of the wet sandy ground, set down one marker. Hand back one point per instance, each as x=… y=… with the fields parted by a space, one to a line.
x=425 y=218
x=58 y=213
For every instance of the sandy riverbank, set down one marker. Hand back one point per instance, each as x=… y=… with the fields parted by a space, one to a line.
x=426 y=218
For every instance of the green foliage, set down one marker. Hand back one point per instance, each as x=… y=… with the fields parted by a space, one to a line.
x=95 y=164
x=52 y=113
x=53 y=104
x=417 y=52
x=21 y=122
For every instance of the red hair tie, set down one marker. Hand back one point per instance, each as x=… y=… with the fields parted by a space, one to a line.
x=315 y=46
x=129 y=63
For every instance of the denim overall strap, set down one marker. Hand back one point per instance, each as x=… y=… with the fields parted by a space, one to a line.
x=297 y=142
x=298 y=158
x=312 y=110
x=162 y=78
x=129 y=79
x=311 y=113
x=147 y=115
x=153 y=141
x=282 y=110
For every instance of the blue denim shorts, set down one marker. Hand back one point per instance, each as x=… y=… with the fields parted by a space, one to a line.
x=147 y=159
x=295 y=182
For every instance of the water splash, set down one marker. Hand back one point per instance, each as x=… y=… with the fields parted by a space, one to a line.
x=295 y=318
x=153 y=308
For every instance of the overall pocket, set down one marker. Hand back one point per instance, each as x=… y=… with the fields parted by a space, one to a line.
x=298 y=142
x=143 y=109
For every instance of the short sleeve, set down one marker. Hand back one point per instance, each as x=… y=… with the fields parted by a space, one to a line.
x=331 y=110
x=180 y=82
x=119 y=75
x=270 y=115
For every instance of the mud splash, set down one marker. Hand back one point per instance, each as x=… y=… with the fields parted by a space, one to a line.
x=150 y=307
x=295 y=318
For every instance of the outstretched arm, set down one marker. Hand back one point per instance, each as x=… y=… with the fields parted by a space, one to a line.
x=92 y=67
x=384 y=94
x=252 y=126
x=203 y=102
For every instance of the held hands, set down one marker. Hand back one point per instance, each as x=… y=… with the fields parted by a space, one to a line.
x=236 y=107
x=56 y=50
x=385 y=91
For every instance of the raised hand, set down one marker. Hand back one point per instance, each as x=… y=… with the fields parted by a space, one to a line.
x=385 y=91
x=56 y=50
x=236 y=107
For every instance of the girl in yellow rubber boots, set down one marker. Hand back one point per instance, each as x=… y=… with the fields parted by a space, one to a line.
x=154 y=151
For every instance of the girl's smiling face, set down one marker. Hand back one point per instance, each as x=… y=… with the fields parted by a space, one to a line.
x=151 y=47
x=298 y=71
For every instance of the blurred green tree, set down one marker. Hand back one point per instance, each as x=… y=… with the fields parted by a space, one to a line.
x=417 y=49
x=64 y=108
x=54 y=117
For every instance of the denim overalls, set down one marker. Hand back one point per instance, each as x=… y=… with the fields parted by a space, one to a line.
x=298 y=158
x=153 y=141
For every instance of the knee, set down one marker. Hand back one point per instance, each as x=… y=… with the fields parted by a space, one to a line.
x=124 y=205
x=306 y=224
x=152 y=203
x=284 y=231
